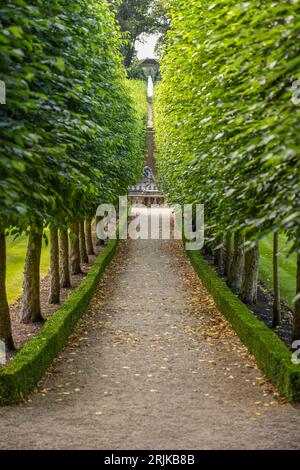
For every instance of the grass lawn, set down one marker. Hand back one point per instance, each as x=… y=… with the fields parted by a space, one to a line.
x=16 y=252
x=287 y=267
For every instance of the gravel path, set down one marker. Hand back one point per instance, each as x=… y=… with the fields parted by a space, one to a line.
x=152 y=366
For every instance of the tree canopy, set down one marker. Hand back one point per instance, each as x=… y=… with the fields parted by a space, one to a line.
x=136 y=17
x=227 y=124
x=69 y=128
x=71 y=136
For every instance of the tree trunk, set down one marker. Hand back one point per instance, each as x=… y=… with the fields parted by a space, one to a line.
x=54 y=295
x=237 y=266
x=209 y=250
x=65 y=280
x=82 y=243
x=89 y=237
x=228 y=258
x=99 y=242
x=129 y=54
x=5 y=325
x=276 y=303
x=219 y=254
x=74 y=249
x=204 y=250
x=31 y=306
x=248 y=293
x=296 y=329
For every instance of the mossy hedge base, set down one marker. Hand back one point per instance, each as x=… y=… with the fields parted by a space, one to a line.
x=273 y=357
x=19 y=377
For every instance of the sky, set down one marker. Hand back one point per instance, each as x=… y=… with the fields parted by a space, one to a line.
x=145 y=48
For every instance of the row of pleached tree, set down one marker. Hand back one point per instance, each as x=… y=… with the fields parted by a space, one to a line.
x=228 y=129
x=70 y=136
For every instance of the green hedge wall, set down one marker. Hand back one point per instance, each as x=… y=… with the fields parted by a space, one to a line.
x=227 y=113
x=273 y=357
x=19 y=377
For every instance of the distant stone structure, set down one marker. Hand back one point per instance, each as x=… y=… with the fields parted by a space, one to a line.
x=151 y=67
x=149 y=64
x=146 y=190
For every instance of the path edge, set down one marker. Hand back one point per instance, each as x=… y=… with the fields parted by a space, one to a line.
x=271 y=354
x=21 y=375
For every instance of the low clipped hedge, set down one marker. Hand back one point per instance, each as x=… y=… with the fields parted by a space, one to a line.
x=19 y=377
x=273 y=357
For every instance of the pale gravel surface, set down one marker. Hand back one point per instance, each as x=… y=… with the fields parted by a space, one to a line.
x=152 y=366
